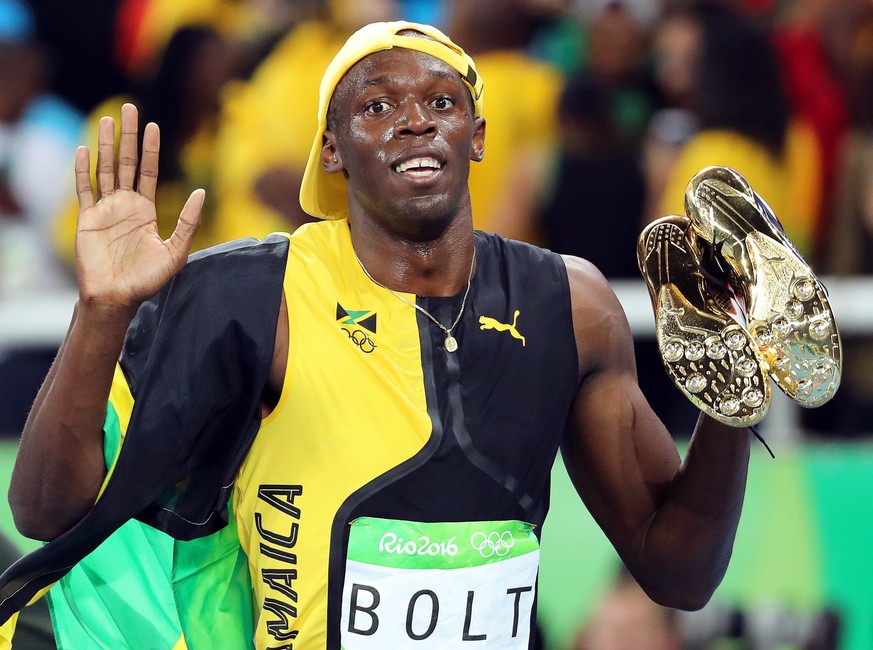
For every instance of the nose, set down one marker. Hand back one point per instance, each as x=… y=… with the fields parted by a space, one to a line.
x=413 y=119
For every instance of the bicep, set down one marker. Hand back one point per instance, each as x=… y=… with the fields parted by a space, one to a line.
x=618 y=454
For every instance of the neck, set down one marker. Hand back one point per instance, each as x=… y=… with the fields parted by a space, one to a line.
x=432 y=268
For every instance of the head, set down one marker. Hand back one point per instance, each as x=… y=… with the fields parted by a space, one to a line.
x=399 y=123
x=618 y=44
x=676 y=45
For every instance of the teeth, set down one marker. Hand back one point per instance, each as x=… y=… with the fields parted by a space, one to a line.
x=417 y=162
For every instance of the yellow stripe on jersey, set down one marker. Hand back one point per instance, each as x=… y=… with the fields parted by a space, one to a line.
x=7 y=631
x=352 y=407
x=121 y=402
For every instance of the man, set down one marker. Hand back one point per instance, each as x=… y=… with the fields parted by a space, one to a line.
x=409 y=382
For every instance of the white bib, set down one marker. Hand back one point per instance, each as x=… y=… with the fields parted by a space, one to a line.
x=439 y=585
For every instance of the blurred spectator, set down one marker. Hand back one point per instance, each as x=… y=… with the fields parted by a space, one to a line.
x=627 y=619
x=608 y=41
x=520 y=111
x=618 y=50
x=81 y=36
x=145 y=27
x=676 y=46
x=38 y=133
x=764 y=625
x=645 y=11
x=38 y=138
x=184 y=98
x=266 y=126
x=561 y=39
x=851 y=230
x=595 y=208
x=744 y=119
x=802 y=39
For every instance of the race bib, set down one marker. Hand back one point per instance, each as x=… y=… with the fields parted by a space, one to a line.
x=439 y=585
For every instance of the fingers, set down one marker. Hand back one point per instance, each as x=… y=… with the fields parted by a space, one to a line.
x=127 y=159
x=186 y=227
x=83 y=179
x=106 y=156
x=107 y=179
x=148 y=168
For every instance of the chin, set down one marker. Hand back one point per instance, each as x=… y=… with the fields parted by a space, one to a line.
x=426 y=219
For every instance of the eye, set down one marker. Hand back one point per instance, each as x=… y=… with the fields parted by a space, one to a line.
x=442 y=103
x=376 y=107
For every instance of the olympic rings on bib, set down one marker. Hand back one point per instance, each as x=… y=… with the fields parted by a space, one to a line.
x=492 y=544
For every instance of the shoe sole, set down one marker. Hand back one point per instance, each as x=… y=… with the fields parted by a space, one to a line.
x=707 y=354
x=787 y=309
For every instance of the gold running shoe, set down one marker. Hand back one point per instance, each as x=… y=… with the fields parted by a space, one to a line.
x=786 y=306
x=709 y=355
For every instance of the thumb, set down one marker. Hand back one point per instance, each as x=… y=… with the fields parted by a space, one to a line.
x=187 y=225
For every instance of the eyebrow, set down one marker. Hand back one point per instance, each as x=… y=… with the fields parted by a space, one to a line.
x=376 y=81
x=450 y=75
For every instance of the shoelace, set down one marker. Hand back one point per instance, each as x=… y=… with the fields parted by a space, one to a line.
x=763 y=442
x=711 y=259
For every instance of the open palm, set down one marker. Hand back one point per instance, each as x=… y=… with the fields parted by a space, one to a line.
x=121 y=259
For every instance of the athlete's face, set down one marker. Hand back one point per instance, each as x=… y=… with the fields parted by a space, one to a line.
x=402 y=130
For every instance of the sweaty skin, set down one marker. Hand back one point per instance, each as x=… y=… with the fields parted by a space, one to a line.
x=672 y=522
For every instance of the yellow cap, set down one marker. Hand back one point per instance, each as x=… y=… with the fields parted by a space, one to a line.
x=323 y=194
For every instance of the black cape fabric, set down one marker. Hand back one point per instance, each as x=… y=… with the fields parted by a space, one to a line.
x=196 y=358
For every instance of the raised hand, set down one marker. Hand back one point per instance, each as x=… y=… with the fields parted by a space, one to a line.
x=121 y=260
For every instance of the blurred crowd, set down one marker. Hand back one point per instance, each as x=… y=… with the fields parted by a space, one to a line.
x=598 y=112
x=625 y=618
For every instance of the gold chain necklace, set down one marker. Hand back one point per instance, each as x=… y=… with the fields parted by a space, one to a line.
x=451 y=342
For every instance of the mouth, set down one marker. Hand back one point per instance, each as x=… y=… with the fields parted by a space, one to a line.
x=419 y=168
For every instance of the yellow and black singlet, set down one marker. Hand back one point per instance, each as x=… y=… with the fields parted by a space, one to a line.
x=380 y=429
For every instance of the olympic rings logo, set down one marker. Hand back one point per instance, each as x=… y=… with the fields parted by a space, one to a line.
x=361 y=339
x=493 y=543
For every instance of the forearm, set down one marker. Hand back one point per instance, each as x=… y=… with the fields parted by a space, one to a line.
x=60 y=468
x=688 y=541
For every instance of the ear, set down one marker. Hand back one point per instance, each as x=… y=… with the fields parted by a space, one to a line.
x=330 y=155
x=477 y=150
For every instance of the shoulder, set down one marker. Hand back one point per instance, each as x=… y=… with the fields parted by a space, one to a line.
x=599 y=322
x=589 y=289
x=580 y=270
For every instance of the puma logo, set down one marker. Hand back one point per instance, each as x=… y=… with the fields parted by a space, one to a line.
x=488 y=323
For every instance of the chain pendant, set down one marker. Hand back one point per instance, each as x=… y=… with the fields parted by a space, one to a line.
x=451 y=343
